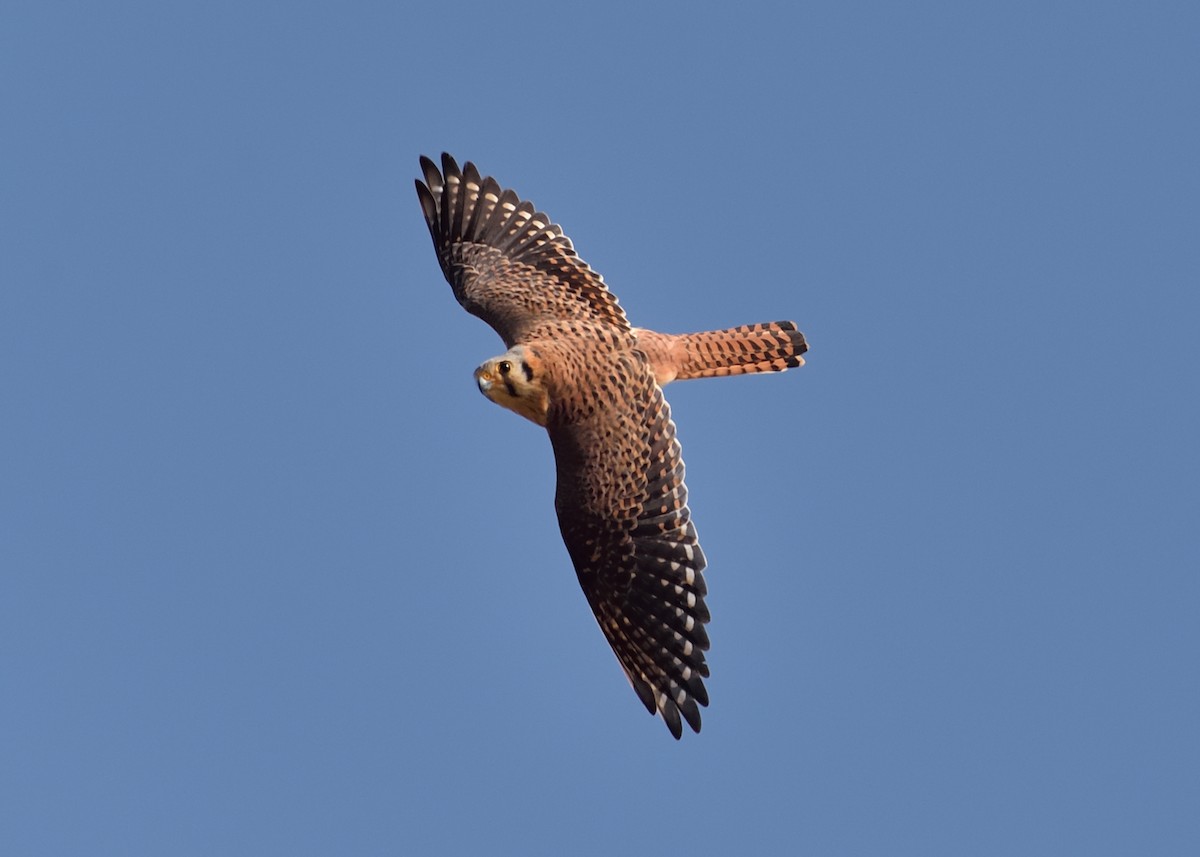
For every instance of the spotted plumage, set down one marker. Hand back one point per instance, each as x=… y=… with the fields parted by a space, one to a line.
x=577 y=367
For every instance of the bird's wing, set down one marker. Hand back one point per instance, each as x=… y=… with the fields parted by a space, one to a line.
x=622 y=508
x=507 y=263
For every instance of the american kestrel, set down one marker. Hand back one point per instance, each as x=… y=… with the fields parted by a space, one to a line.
x=575 y=366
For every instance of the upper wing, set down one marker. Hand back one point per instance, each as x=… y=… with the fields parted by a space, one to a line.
x=508 y=264
x=622 y=508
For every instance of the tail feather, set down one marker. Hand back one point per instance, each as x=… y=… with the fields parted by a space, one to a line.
x=770 y=347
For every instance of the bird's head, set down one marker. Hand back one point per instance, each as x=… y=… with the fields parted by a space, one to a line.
x=514 y=380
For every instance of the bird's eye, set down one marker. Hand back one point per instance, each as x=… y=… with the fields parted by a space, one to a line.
x=504 y=366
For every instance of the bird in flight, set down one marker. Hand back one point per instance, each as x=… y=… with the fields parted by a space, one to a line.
x=575 y=366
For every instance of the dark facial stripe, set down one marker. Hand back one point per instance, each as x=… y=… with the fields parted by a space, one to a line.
x=528 y=371
x=512 y=390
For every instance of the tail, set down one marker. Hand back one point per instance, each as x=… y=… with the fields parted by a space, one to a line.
x=770 y=347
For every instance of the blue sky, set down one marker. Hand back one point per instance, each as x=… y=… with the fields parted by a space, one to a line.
x=276 y=579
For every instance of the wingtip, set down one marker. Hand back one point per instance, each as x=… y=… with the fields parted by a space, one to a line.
x=433 y=178
x=691 y=713
x=670 y=716
x=428 y=203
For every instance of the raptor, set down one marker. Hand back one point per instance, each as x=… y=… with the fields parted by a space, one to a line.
x=576 y=366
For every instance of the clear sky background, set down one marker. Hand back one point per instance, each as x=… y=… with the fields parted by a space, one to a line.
x=276 y=580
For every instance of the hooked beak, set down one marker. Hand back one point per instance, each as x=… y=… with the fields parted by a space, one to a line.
x=484 y=379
